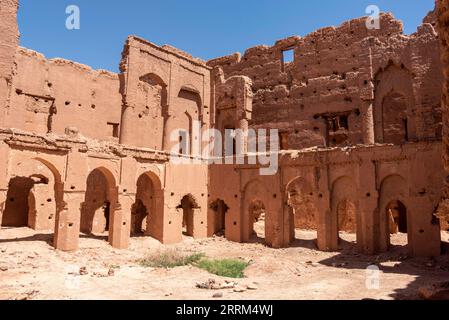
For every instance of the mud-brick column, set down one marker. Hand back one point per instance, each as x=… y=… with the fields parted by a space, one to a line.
x=368 y=233
x=288 y=225
x=369 y=240
x=155 y=221
x=66 y=237
x=172 y=217
x=324 y=230
x=326 y=240
x=244 y=108
x=367 y=116
x=277 y=228
x=423 y=231
x=243 y=126
x=120 y=224
x=172 y=225
x=126 y=129
x=4 y=156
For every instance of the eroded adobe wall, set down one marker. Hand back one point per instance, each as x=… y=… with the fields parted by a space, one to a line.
x=338 y=190
x=53 y=95
x=164 y=90
x=72 y=179
x=324 y=96
x=8 y=44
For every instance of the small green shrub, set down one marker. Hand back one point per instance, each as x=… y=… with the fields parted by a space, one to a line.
x=230 y=268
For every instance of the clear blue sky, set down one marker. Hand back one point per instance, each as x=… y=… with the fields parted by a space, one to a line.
x=204 y=28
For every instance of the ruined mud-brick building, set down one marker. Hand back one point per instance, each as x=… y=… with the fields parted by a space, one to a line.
x=442 y=12
x=360 y=122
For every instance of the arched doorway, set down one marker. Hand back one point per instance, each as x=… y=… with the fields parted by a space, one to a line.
x=181 y=127
x=397 y=217
x=258 y=208
x=188 y=206
x=147 y=211
x=99 y=203
x=34 y=196
x=302 y=219
x=139 y=216
x=219 y=209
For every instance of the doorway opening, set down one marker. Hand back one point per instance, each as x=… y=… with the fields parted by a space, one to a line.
x=257 y=213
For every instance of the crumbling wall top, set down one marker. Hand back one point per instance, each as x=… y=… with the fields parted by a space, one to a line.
x=64 y=62
x=135 y=40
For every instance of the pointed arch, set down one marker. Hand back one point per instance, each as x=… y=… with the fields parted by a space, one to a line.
x=394 y=193
x=345 y=216
x=148 y=209
x=189 y=206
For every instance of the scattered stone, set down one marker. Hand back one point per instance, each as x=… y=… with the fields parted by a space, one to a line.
x=239 y=289
x=111 y=272
x=29 y=295
x=99 y=275
x=211 y=284
x=83 y=271
x=218 y=295
x=252 y=287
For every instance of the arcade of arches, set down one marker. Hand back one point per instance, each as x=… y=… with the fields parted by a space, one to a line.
x=88 y=153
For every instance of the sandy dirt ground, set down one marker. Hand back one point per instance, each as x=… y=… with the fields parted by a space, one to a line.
x=31 y=269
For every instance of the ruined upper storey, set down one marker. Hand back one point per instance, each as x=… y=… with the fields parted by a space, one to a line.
x=57 y=96
x=164 y=89
x=346 y=85
x=338 y=76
